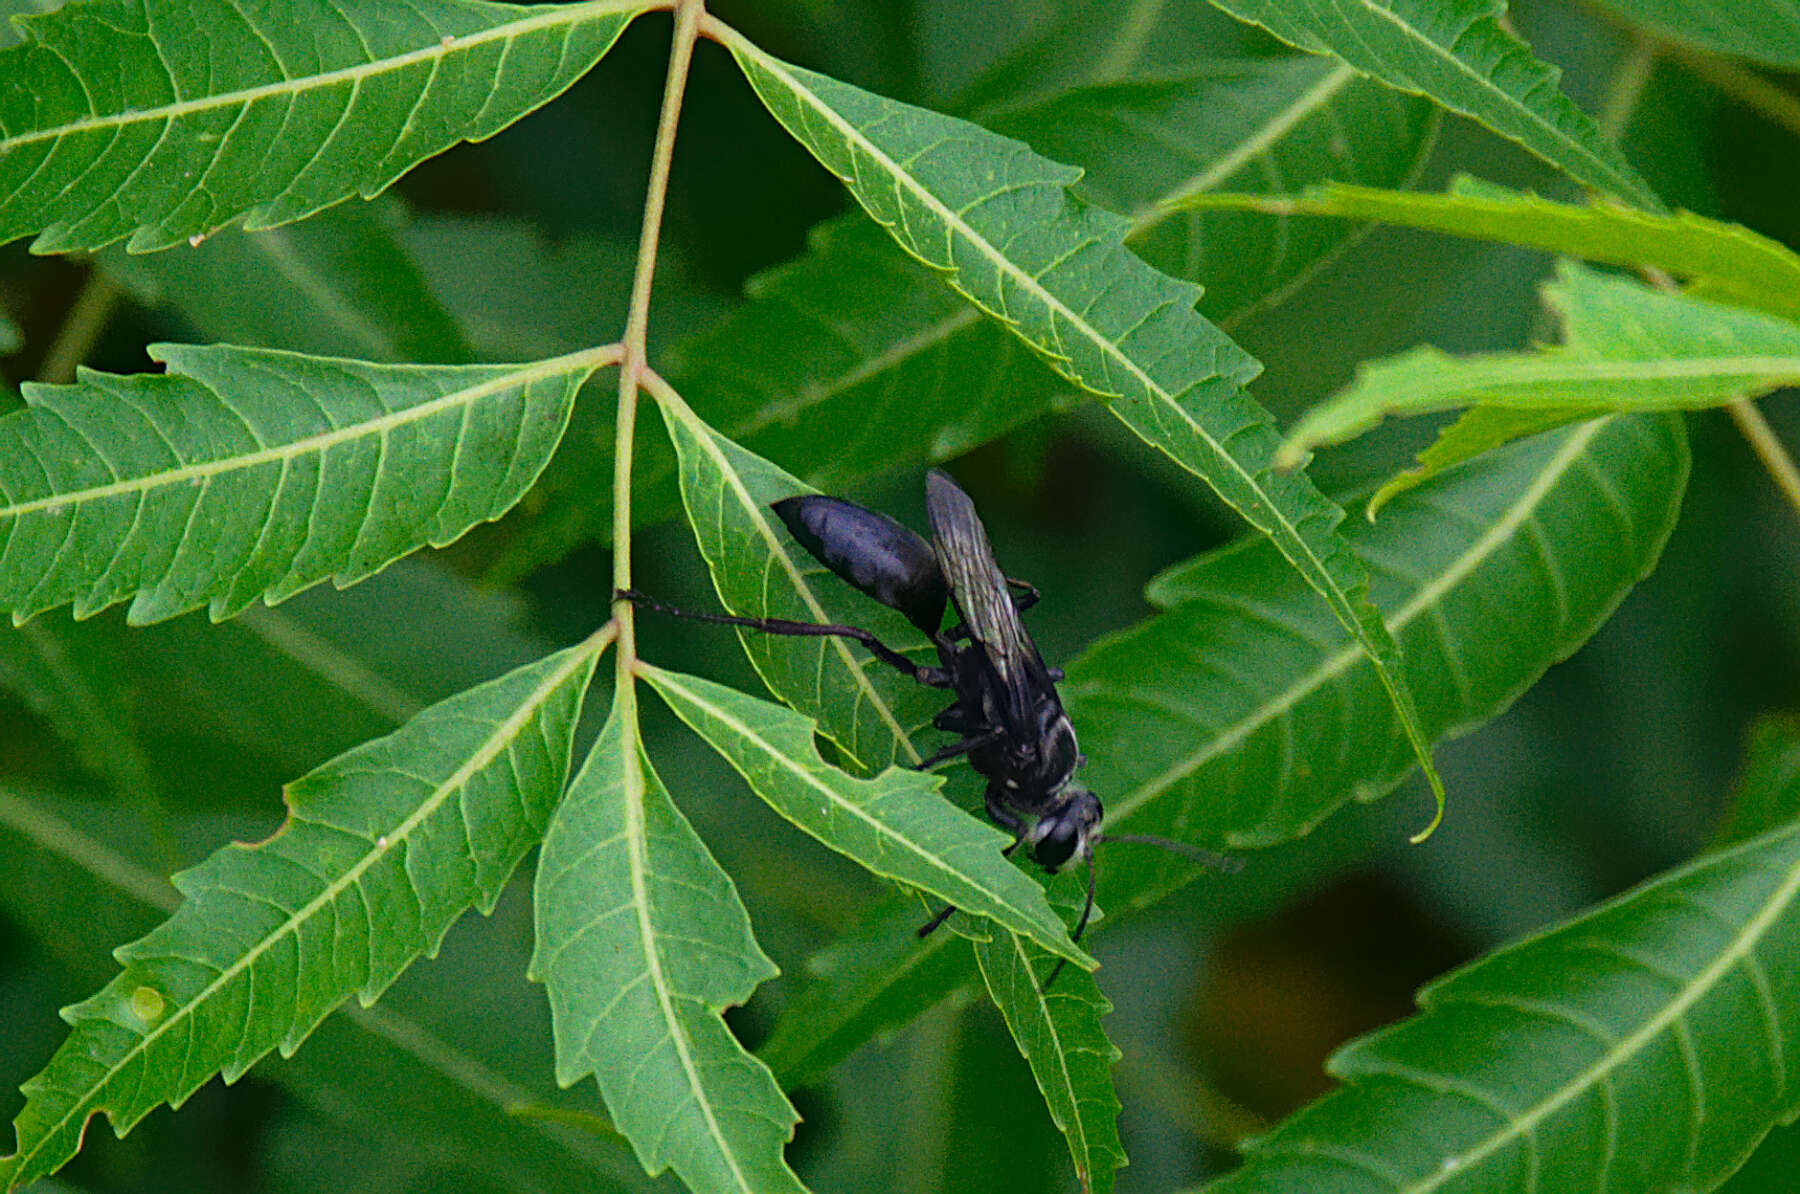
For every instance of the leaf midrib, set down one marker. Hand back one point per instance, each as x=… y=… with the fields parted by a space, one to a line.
x=573 y=14
x=503 y=734
x=1289 y=533
x=631 y=777
x=704 y=435
x=1742 y=944
x=583 y=362
x=1498 y=534
x=944 y=867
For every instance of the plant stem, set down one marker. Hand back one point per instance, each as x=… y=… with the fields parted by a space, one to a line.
x=1769 y=449
x=632 y=363
x=1741 y=84
x=86 y=320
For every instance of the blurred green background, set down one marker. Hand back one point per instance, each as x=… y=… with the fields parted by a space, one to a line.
x=1230 y=996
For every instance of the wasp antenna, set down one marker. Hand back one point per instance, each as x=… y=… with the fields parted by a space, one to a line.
x=1081 y=925
x=1205 y=857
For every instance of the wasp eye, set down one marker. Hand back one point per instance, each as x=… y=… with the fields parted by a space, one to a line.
x=1057 y=844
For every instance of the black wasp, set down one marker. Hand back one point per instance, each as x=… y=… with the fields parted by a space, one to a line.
x=1009 y=719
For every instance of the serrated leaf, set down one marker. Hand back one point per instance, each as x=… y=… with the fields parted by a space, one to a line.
x=78 y=877
x=1458 y=53
x=1768 y=792
x=854 y=359
x=1767 y=31
x=1478 y=430
x=1724 y=261
x=245 y=473
x=896 y=824
x=1641 y=1046
x=866 y=707
x=1242 y=716
x=1626 y=347
x=1060 y=1035
x=337 y=284
x=162 y=119
x=642 y=943
x=384 y=847
x=998 y=222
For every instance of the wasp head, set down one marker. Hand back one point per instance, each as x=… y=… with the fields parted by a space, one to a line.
x=1067 y=830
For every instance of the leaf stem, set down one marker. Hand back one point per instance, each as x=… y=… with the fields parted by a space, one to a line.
x=1740 y=83
x=88 y=317
x=632 y=364
x=1768 y=448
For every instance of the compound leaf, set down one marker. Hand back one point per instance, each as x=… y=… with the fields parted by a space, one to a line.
x=642 y=943
x=245 y=473
x=163 y=120
x=897 y=824
x=384 y=847
x=997 y=221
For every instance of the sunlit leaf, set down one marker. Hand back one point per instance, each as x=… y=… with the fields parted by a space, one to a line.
x=642 y=943
x=1626 y=347
x=166 y=119
x=1640 y=1046
x=244 y=473
x=1059 y=1033
x=1723 y=261
x=998 y=222
x=896 y=824
x=1458 y=53
x=383 y=849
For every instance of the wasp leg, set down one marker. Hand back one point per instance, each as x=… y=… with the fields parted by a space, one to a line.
x=1025 y=594
x=954 y=720
x=955 y=749
x=933 y=677
x=926 y=929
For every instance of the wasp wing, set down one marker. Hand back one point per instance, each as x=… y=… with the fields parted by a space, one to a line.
x=985 y=602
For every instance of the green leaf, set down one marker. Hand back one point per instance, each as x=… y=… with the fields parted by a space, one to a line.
x=1640 y=1046
x=1767 y=31
x=1627 y=347
x=1243 y=715
x=1768 y=791
x=1060 y=1035
x=405 y=1072
x=1253 y=125
x=866 y=707
x=896 y=825
x=1724 y=261
x=855 y=359
x=337 y=284
x=161 y=121
x=1458 y=53
x=642 y=943
x=384 y=847
x=997 y=220
x=1477 y=430
x=244 y=473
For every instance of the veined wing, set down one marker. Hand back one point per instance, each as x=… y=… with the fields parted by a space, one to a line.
x=979 y=589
